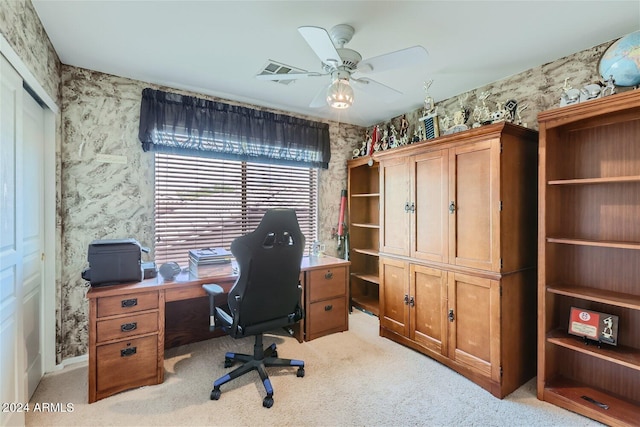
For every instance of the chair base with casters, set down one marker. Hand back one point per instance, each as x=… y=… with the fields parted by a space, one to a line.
x=259 y=360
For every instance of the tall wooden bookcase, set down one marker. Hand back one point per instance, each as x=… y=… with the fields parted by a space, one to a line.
x=589 y=255
x=364 y=225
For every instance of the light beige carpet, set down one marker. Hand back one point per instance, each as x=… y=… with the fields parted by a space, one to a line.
x=354 y=378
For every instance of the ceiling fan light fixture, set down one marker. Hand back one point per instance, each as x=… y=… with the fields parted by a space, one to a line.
x=340 y=94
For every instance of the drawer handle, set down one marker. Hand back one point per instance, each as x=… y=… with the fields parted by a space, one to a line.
x=129 y=302
x=129 y=351
x=128 y=327
x=328 y=275
x=328 y=307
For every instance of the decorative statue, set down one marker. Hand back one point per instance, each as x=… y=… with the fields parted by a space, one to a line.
x=404 y=130
x=429 y=104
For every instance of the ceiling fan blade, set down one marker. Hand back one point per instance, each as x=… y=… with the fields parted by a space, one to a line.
x=377 y=89
x=408 y=57
x=319 y=40
x=288 y=76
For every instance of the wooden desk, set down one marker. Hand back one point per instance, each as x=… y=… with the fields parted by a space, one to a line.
x=127 y=323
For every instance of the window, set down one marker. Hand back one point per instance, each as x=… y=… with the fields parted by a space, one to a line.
x=202 y=202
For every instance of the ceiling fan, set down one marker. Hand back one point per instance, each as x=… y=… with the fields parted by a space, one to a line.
x=346 y=67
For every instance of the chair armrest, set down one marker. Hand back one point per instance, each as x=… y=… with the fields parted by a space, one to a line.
x=213 y=289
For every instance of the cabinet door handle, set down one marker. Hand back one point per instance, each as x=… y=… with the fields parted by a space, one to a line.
x=132 y=302
x=406 y=207
x=129 y=351
x=406 y=299
x=452 y=207
x=128 y=327
x=328 y=307
x=451 y=316
x=412 y=208
x=328 y=275
x=412 y=302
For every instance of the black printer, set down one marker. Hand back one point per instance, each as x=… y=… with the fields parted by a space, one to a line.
x=113 y=261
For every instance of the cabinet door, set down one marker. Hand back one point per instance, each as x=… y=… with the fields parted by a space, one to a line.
x=394 y=296
x=394 y=188
x=428 y=313
x=474 y=323
x=474 y=219
x=429 y=222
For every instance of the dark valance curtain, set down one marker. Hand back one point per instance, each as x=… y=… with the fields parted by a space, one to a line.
x=178 y=124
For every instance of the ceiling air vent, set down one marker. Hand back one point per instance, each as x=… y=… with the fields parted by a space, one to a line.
x=273 y=67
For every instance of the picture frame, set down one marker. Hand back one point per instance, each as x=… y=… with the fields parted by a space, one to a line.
x=594 y=326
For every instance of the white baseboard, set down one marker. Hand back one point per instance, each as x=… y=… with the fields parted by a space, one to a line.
x=78 y=360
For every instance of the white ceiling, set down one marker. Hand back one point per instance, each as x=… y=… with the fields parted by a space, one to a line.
x=217 y=47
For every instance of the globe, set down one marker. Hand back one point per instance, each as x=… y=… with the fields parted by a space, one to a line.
x=622 y=61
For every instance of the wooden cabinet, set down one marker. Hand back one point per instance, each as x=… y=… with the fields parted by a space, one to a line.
x=458 y=252
x=448 y=202
x=589 y=255
x=364 y=237
x=326 y=299
x=126 y=346
x=411 y=184
x=418 y=315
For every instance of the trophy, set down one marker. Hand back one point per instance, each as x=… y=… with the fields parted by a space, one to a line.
x=430 y=115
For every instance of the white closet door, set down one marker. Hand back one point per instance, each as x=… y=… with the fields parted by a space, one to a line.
x=12 y=350
x=32 y=196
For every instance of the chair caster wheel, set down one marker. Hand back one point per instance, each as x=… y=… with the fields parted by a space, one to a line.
x=300 y=372
x=215 y=394
x=228 y=362
x=267 y=402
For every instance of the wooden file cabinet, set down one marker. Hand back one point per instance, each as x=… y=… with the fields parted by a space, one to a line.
x=326 y=300
x=126 y=343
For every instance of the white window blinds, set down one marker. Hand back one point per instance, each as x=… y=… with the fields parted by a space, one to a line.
x=203 y=202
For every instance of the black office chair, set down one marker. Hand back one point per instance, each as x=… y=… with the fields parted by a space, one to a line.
x=265 y=297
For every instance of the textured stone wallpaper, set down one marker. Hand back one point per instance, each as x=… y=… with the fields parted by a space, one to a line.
x=537 y=89
x=100 y=115
x=21 y=27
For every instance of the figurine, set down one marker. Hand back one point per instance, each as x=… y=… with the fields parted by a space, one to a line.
x=393 y=137
x=375 y=140
x=500 y=114
x=609 y=87
x=569 y=95
x=519 y=111
x=429 y=104
x=385 y=139
x=481 y=114
x=404 y=129
x=591 y=91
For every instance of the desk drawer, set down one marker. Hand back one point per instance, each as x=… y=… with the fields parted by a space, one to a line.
x=130 y=303
x=127 y=364
x=327 y=283
x=126 y=326
x=326 y=317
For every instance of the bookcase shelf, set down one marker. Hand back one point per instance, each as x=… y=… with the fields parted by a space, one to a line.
x=589 y=255
x=364 y=229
